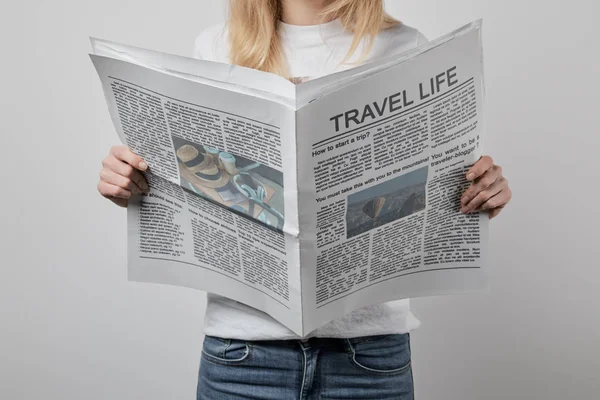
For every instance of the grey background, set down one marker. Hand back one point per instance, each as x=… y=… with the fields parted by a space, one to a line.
x=72 y=327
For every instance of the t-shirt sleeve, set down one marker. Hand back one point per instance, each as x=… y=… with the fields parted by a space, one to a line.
x=403 y=38
x=200 y=49
x=196 y=51
x=421 y=39
x=211 y=44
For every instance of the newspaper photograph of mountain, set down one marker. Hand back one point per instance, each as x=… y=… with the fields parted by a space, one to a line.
x=386 y=202
x=243 y=186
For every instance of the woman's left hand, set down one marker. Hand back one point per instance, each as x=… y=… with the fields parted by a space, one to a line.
x=489 y=189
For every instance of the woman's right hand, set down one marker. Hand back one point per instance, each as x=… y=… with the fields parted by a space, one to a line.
x=120 y=175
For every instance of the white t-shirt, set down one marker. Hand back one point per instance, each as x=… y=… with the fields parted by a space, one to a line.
x=311 y=51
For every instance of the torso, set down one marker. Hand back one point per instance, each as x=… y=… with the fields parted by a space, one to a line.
x=311 y=51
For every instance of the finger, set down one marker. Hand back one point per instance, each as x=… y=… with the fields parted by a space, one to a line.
x=497 y=201
x=480 y=184
x=109 y=190
x=119 y=202
x=483 y=196
x=140 y=180
x=124 y=154
x=113 y=178
x=479 y=168
x=126 y=170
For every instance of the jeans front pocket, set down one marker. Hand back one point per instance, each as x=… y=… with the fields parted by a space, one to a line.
x=225 y=351
x=382 y=354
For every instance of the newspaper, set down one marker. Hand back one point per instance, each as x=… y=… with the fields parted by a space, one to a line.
x=304 y=201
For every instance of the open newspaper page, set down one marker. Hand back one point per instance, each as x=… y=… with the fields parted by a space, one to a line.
x=221 y=215
x=381 y=168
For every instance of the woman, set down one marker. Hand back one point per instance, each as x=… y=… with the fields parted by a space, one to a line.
x=247 y=354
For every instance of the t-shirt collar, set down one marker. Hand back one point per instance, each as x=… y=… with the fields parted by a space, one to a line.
x=327 y=29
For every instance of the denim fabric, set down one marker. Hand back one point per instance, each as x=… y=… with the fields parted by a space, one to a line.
x=371 y=367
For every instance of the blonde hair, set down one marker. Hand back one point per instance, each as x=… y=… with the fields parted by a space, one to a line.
x=255 y=43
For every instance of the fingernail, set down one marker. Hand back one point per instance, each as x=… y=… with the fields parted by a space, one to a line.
x=470 y=176
x=143 y=166
x=463 y=200
x=464 y=210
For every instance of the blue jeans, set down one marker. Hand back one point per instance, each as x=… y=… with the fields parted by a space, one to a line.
x=370 y=367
